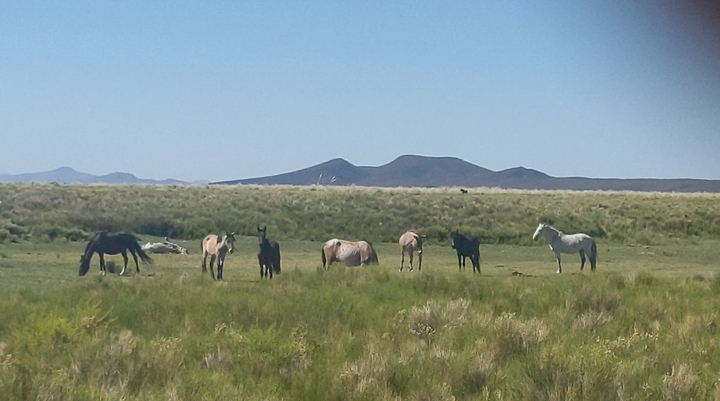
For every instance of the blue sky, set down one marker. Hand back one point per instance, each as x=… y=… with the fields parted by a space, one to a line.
x=225 y=90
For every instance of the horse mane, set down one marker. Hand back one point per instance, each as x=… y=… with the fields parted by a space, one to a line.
x=91 y=244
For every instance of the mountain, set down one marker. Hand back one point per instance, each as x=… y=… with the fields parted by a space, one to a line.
x=422 y=171
x=70 y=175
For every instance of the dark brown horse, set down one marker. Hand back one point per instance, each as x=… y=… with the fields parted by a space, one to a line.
x=268 y=254
x=466 y=246
x=105 y=242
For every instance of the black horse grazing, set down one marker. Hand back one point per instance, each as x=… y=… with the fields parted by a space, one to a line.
x=268 y=254
x=105 y=242
x=466 y=246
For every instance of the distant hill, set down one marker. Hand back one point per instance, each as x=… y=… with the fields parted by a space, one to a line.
x=70 y=175
x=422 y=171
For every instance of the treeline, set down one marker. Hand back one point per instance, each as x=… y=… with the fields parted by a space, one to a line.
x=52 y=211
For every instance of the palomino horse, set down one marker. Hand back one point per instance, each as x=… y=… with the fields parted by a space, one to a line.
x=466 y=246
x=573 y=243
x=411 y=242
x=348 y=252
x=217 y=247
x=268 y=254
x=104 y=242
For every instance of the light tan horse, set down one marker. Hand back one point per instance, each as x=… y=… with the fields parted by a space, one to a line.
x=348 y=252
x=411 y=242
x=217 y=247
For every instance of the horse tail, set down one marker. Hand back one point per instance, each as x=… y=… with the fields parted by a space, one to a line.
x=322 y=255
x=143 y=256
x=277 y=249
x=373 y=255
x=593 y=251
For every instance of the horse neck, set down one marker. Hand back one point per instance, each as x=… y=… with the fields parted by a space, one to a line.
x=89 y=249
x=552 y=234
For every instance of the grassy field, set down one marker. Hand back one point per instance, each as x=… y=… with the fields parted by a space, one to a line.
x=47 y=212
x=643 y=327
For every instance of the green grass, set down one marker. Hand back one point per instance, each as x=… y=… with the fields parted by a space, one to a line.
x=643 y=327
x=48 y=212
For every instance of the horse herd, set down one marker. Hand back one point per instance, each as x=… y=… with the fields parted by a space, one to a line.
x=349 y=253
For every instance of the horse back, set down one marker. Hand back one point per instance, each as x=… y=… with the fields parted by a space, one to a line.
x=209 y=243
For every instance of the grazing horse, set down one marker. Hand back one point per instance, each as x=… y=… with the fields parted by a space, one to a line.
x=217 y=247
x=569 y=243
x=268 y=254
x=105 y=242
x=466 y=246
x=348 y=252
x=411 y=242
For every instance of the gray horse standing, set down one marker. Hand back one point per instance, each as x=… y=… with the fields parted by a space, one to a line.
x=569 y=243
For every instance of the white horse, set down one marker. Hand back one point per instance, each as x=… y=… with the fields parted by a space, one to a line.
x=572 y=243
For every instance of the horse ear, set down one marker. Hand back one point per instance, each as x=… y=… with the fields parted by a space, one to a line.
x=264 y=228
x=232 y=233
x=258 y=228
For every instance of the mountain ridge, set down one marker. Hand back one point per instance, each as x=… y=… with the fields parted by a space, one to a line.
x=69 y=175
x=447 y=171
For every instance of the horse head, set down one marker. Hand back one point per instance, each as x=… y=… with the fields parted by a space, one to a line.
x=84 y=265
x=539 y=229
x=262 y=233
x=452 y=236
x=230 y=241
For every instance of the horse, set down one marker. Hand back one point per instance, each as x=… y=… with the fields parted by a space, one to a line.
x=217 y=247
x=105 y=242
x=268 y=254
x=164 y=247
x=569 y=243
x=348 y=252
x=466 y=246
x=411 y=242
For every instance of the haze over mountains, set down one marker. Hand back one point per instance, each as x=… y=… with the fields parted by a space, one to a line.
x=422 y=171
x=405 y=171
x=70 y=175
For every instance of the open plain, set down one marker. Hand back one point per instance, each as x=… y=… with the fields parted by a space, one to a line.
x=643 y=327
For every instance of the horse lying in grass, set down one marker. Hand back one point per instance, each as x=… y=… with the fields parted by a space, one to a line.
x=348 y=252
x=466 y=246
x=569 y=243
x=268 y=254
x=411 y=242
x=217 y=247
x=105 y=242
x=164 y=247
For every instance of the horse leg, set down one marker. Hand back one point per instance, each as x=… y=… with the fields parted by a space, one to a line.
x=402 y=259
x=260 y=262
x=419 y=261
x=582 y=259
x=411 y=261
x=220 y=266
x=204 y=262
x=137 y=267
x=557 y=256
x=125 y=260
x=102 y=264
x=212 y=261
x=459 y=265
